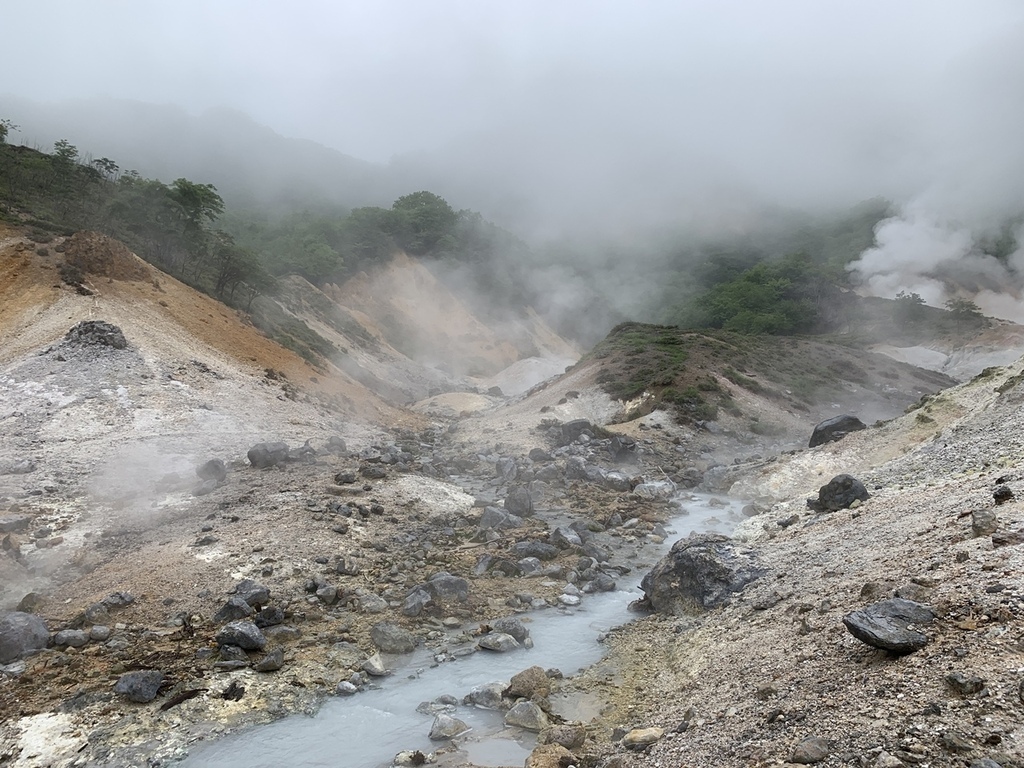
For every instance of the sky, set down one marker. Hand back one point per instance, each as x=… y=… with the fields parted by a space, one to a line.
x=676 y=108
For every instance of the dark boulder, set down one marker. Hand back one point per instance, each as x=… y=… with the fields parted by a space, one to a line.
x=699 y=573
x=519 y=502
x=834 y=429
x=891 y=624
x=572 y=430
x=140 y=686
x=263 y=455
x=21 y=633
x=838 y=493
x=244 y=634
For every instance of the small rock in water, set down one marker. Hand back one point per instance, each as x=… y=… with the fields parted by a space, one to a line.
x=487 y=696
x=511 y=626
x=345 y=688
x=528 y=716
x=375 y=666
x=498 y=641
x=891 y=624
x=446 y=727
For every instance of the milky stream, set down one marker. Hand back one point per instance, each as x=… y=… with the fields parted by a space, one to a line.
x=368 y=729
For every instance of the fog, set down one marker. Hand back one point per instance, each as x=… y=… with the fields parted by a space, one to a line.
x=557 y=119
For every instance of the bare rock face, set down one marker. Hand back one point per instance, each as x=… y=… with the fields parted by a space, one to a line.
x=699 y=573
x=834 y=429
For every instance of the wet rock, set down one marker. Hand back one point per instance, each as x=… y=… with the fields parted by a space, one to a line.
x=73 y=638
x=699 y=573
x=498 y=641
x=374 y=666
x=141 y=686
x=891 y=625
x=511 y=626
x=244 y=634
x=983 y=522
x=810 y=750
x=642 y=737
x=414 y=757
x=391 y=638
x=519 y=502
x=21 y=633
x=527 y=715
x=446 y=727
x=213 y=469
x=834 y=429
x=838 y=493
x=96 y=333
x=487 y=696
x=345 y=688
x=530 y=683
x=264 y=455
x=272 y=662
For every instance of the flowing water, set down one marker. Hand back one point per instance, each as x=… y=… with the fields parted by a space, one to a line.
x=368 y=729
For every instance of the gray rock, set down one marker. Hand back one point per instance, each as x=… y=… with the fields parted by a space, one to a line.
x=345 y=688
x=235 y=608
x=272 y=662
x=891 y=624
x=444 y=587
x=74 y=638
x=838 y=493
x=17 y=467
x=965 y=684
x=269 y=616
x=21 y=633
x=99 y=633
x=572 y=430
x=498 y=519
x=699 y=573
x=14 y=523
x=498 y=641
x=539 y=549
x=834 y=429
x=264 y=455
x=617 y=481
x=528 y=716
x=565 y=538
x=390 y=638
x=570 y=735
x=244 y=634
x=506 y=470
x=530 y=683
x=416 y=602
x=374 y=666
x=327 y=594
x=810 y=750
x=539 y=455
x=233 y=653
x=446 y=727
x=348 y=566
x=656 y=490
x=213 y=469
x=370 y=602
x=510 y=625
x=487 y=696
x=519 y=501
x=346 y=477
x=141 y=686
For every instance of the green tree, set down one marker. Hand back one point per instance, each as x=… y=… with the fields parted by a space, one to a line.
x=965 y=312
x=423 y=222
x=6 y=126
x=908 y=309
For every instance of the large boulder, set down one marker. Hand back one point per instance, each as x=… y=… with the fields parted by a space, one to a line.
x=834 y=429
x=839 y=493
x=391 y=638
x=519 y=501
x=21 y=633
x=699 y=573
